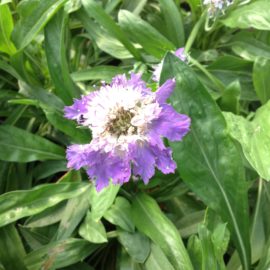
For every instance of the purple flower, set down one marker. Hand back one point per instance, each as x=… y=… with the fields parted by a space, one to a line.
x=128 y=122
x=215 y=5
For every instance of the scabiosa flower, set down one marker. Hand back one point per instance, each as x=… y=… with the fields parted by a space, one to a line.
x=215 y=5
x=157 y=68
x=128 y=122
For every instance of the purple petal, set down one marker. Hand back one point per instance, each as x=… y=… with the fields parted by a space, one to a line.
x=77 y=155
x=119 y=80
x=165 y=90
x=78 y=108
x=164 y=161
x=105 y=166
x=181 y=54
x=171 y=124
x=144 y=162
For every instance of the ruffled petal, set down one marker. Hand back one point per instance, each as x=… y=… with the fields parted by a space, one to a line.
x=105 y=166
x=78 y=108
x=171 y=124
x=77 y=155
x=164 y=92
x=164 y=161
x=143 y=161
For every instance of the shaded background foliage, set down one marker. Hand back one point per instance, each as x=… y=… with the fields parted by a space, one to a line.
x=213 y=213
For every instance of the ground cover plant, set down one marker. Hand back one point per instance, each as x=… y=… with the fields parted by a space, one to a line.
x=177 y=176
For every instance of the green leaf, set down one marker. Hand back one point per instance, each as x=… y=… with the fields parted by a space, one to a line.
x=94 y=10
x=143 y=33
x=150 y=220
x=207 y=152
x=92 y=230
x=255 y=15
x=261 y=78
x=174 y=22
x=55 y=48
x=120 y=214
x=101 y=201
x=59 y=254
x=21 y=146
x=11 y=249
x=157 y=260
x=104 y=73
x=254 y=138
x=6 y=27
x=22 y=203
x=136 y=244
x=75 y=210
x=34 y=14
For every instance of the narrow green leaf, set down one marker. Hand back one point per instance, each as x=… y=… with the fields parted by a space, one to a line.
x=261 y=78
x=174 y=22
x=143 y=33
x=21 y=146
x=207 y=152
x=92 y=230
x=157 y=260
x=150 y=220
x=75 y=210
x=59 y=254
x=17 y=204
x=254 y=138
x=255 y=15
x=94 y=10
x=6 y=27
x=136 y=244
x=34 y=14
x=55 y=48
x=11 y=249
x=101 y=201
x=104 y=73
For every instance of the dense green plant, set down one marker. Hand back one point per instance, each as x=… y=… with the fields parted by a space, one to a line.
x=213 y=213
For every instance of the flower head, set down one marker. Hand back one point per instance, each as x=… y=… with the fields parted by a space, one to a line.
x=216 y=5
x=157 y=68
x=128 y=122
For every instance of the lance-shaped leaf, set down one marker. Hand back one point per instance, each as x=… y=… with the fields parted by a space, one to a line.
x=207 y=158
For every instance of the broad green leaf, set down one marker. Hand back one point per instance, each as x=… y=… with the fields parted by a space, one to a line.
x=143 y=33
x=254 y=138
x=174 y=22
x=22 y=203
x=261 y=78
x=101 y=201
x=55 y=48
x=95 y=11
x=11 y=249
x=136 y=244
x=6 y=27
x=157 y=260
x=150 y=220
x=92 y=230
x=265 y=260
x=34 y=14
x=206 y=153
x=59 y=254
x=254 y=15
x=74 y=212
x=20 y=145
x=104 y=73
x=120 y=214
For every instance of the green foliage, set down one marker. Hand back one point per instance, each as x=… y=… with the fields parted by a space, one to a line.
x=212 y=213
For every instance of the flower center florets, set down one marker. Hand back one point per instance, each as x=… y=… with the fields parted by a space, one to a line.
x=120 y=123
